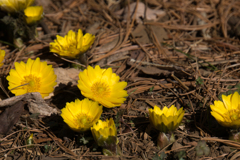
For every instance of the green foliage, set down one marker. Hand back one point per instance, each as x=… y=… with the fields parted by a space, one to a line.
x=238 y=87
x=146 y=115
x=77 y=66
x=118 y=117
x=132 y=92
x=47 y=147
x=15 y=30
x=34 y=115
x=179 y=155
x=94 y=149
x=202 y=149
x=12 y=152
x=7 y=43
x=132 y=123
x=84 y=140
x=200 y=105
x=151 y=89
x=161 y=157
x=199 y=81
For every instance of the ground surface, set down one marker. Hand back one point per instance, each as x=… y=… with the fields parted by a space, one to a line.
x=180 y=52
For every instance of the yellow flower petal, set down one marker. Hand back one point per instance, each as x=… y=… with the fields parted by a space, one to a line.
x=2 y=55
x=227 y=101
x=220 y=107
x=234 y=100
x=79 y=39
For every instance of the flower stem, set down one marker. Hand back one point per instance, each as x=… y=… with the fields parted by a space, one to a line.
x=83 y=59
x=162 y=140
x=112 y=150
x=234 y=135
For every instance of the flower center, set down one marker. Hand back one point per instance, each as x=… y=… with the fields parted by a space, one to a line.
x=83 y=121
x=72 y=49
x=31 y=83
x=234 y=114
x=100 y=89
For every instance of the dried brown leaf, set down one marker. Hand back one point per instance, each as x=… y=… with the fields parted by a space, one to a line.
x=10 y=117
x=151 y=14
x=153 y=70
x=36 y=103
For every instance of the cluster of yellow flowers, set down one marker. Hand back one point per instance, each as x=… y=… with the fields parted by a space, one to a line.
x=32 y=13
x=101 y=87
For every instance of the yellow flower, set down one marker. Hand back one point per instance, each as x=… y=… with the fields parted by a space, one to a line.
x=33 y=14
x=30 y=139
x=105 y=132
x=12 y=6
x=227 y=113
x=102 y=86
x=72 y=45
x=2 y=55
x=167 y=119
x=81 y=115
x=34 y=76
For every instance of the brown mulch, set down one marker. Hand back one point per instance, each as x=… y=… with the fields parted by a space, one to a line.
x=180 y=52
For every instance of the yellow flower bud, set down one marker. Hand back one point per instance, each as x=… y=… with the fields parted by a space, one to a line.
x=72 y=45
x=167 y=119
x=104 y=132
x=33 y=14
